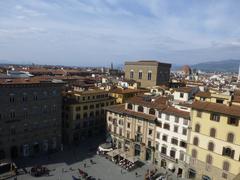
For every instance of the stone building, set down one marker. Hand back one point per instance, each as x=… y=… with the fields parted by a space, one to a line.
x=148 y=73
x=30 y=117
x=83 y=114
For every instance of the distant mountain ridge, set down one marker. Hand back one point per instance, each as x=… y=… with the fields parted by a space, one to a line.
x=231 y=65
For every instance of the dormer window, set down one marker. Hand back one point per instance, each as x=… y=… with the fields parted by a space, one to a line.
x=140 y=109
x=130 y=106
x=152 y=111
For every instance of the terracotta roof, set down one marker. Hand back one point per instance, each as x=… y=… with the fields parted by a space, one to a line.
x=147 y=62
x=204 y=94
x=126 y=91
x=33 y=80
x=232 y=110
x=121 y=109
x=184 y=89
x=236 y=99
x=176 y=112
x=159 y=103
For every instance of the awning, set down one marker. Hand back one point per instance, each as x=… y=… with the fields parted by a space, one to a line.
x=114 y=152
x=105 y=147
x=132 y=159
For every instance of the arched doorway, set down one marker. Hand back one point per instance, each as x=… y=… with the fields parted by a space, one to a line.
x=14 y=152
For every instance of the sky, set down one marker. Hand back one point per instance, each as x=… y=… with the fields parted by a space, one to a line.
x=98 y=32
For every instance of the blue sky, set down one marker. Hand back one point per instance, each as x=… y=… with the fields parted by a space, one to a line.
x=98 y=32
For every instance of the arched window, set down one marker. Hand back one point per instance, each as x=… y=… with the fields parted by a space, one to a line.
x=194 y=153
x=152 y=111
x=230 y=137
x=212 y=132
x=149 y=75
x=195 y=141
x=140 y=109
x=130 y=106
x=131 y=74
x=210 y=146
x=197 y=128
x=209 y=159
x=226 y=166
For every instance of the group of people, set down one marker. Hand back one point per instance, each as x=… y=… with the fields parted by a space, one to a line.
x=126 y=164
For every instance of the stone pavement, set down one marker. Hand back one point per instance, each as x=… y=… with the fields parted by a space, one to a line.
x=65 y=164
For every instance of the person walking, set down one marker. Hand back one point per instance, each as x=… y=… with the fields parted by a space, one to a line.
x=85 y=165
x=136 y=174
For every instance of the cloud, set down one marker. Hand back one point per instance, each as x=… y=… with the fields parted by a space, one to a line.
x=103 y=31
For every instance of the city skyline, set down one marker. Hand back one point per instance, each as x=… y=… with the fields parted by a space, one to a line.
x=100 y=32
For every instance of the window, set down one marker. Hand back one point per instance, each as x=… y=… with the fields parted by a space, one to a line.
x=166 y=116
x=12 y=115
x=197 y=128
x=130 y=106
x=158 y=135
x=181 y=95
x=211 y=146
x=183 y=144
x=149 y=75
x=128 y=125
x=131 y=74
x=157 y=146
x=228 y=152
x=166 y=126
x=185 y=122
x=209 y=159
x=140 y=75
x=128 y=134
x=139 y=129
x=174 y=141
x=215 y=117
x=194 y=153
x=164 y=150
x=212 y=132
x=184 y=131
x=176 y=129
x=172 y=153
x=199 y=114
x=24 y=98
x=140 y=109
x=195 y=141
x=176 y=119
x=226 y=166
x=85 y=107
x=97 y=105
x=149 y=143
x=150 y=132
x=91 y=106
x=78 y=108
x=230 y=137
x=12 y=99
x=120 y=131
x=164 y=138
x=181 y=156
x=85 y=115
x=159 y=114
x=152 y=111
x=233 y=121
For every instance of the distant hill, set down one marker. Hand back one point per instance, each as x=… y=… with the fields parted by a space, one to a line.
x=218 y=66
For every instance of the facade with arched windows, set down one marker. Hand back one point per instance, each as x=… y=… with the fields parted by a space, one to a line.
x=215 y=138
x=148 y=73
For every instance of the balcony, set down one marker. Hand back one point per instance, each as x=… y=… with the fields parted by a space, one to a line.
x=168 y=157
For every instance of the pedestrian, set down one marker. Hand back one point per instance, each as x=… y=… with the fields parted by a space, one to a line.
x=136 y=174
x=121 y=171
x=85 y=165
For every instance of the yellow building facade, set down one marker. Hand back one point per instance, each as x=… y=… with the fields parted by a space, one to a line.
x=214 y=142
